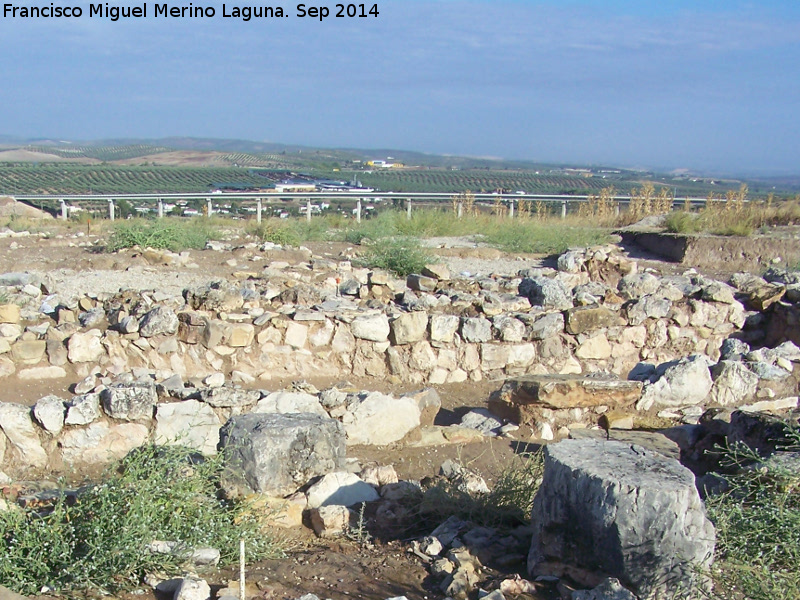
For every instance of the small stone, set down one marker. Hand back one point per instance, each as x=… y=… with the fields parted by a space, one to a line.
x=345 y=489
x=421 y=283
x=330 y=521
x=50 y=412
x=17 y=424
x=476 y=329
x=83 y=409
x=129 y=401
x=374 y=328
x=85 y=347
x=437 y=271
x=192 y=588
x=28 y=352
x=409 y=327
x=215 y=380
x=9 y=313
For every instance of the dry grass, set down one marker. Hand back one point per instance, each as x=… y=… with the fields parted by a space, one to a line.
x=735 y=215
x=602 y=209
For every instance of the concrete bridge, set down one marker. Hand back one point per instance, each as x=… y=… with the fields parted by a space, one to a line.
x=254 y=202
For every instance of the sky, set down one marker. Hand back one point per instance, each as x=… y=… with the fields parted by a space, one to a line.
x=707 y=85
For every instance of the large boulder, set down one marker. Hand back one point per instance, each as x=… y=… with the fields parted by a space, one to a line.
x=476 y=329
x=734 y=383
x=443 y=328
x=49 y=413
x=525 y=400
x=275 y=454
x=549 y=293
x=637 y=285
x=546 y=326
x=189 y=423
x=686 y=382
x=83 y=409
x=625 y=511
x=85 y=347
x=647 y=307
x=378 y=419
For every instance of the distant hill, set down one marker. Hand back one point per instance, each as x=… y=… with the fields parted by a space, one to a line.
x=313 y=154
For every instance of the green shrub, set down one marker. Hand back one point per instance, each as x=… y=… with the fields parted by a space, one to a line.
x=168 y=233
x=401 y=256
x=293 y=232
x=758 y=533
x=99 y=542
x=683 y=222
x=277 y=231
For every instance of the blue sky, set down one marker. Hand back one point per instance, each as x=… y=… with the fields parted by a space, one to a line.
x=707 y=85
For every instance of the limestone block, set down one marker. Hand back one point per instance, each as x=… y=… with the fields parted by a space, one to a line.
x=625 y=511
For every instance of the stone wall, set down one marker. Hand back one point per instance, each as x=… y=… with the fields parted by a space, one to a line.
x=686 y=339
x=284 y=326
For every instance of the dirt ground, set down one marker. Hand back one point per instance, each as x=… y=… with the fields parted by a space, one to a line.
x=331 y=569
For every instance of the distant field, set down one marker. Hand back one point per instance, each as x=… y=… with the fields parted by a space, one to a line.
x=63 y=178
x=150 y=167
x=479 y=181
x=103 y=153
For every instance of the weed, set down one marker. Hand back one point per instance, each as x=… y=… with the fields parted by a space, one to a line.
x=170 y=234
x=508 y=503
x=401 y=256
x=100 y=541
x=359 y=533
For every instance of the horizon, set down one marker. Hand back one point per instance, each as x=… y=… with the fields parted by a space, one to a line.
x=630 y=85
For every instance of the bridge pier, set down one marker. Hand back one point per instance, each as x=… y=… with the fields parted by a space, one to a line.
x=511 y=209
x=160 y=209
x=258 y=210
x=563 y=209
x=358 y=211
x=408 y=209
x=308 y=210
x=64 y=211
x=210 y=210
x=111 y=209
